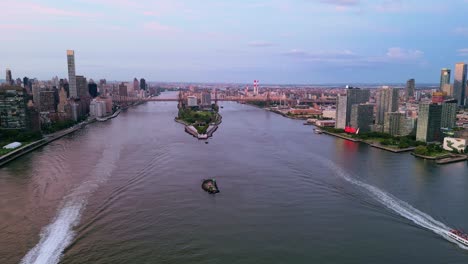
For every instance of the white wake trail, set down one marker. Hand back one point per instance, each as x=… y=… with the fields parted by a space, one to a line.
x=396 y=205
x=59 y=233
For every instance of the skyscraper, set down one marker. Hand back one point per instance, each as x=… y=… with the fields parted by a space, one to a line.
x=387 y=101
x=394 y=123
x=143 y=84
x=449 y=114
x=429 y=122
x=8 y=78
x=72 y=74
x=13 y=107
x=136 y=84
x=362 y=117
x=459 y=83
x=410 y=85
x=444 y=78
x=345 y=103
x=81 y=87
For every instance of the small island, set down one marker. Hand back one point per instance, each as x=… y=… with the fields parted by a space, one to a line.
x=200 y=119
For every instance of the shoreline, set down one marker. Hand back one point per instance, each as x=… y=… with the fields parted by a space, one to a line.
x=5 y=159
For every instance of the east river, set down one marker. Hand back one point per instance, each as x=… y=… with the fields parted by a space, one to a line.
x=128 y=191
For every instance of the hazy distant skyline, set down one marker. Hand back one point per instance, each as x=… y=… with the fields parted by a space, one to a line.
x=277 y=41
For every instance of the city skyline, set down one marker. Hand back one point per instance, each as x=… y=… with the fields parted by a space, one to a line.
x=171 y=41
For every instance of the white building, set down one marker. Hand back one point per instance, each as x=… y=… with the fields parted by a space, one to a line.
x=192 y=101
x=452 y=144
x=97 y=108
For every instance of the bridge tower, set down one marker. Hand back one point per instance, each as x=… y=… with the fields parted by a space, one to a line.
x=268 y=99
x=216 y=96
x=181 y=100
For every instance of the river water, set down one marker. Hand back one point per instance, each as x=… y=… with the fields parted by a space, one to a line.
x=128 y=191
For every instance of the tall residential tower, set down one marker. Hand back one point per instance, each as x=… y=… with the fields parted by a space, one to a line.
x=72 y=73
x=345 y=103
x=444 y=78
x=410 y=84
x=459 y=83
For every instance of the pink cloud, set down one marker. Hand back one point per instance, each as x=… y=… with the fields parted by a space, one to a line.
x=28 y=8
x=158 y=27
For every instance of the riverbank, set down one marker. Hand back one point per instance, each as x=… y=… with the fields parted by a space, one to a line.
x=40 y=143
x=104 y=119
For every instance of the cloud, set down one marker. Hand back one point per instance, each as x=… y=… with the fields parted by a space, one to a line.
x=462 y=52
x=341 y=2
x=347 y=58
x=463 y=31
x=158 y=27
x=260 y=44
x=391 y=6
x=402 y=54
x=29 y=8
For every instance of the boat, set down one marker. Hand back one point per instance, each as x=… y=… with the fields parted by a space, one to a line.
x=459 y=236
x=210 y=186
x=317 y=131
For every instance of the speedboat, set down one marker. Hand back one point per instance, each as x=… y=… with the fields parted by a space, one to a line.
x=317 y=131
x=458 y=236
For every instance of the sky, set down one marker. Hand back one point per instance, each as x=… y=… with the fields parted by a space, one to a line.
x=274 y=41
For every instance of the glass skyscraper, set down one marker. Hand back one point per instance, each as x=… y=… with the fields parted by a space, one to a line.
x=459 y=83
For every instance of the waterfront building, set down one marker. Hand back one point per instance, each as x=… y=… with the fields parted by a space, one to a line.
x=387 y=101
x=97 y=108
x=444 y=78
x=72 y=74
x=459 y=83
x=35 y=91
x=362 y=117
x=206 y=99
x=410 y=86
x=13 y=107
x=395 y=123
x=192 y=101
x=344 y=104
x=429 y=122
x=449 y=114
x=123 y=90
x=47 y=101
x=458 y=144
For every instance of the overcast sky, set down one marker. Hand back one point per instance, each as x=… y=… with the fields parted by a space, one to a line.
x=276 y=41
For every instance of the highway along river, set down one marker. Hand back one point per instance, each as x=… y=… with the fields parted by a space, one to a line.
x=128 y=191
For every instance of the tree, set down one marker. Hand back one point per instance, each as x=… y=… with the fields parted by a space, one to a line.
x=421 y=150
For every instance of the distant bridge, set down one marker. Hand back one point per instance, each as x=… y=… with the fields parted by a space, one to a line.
x=227 y=99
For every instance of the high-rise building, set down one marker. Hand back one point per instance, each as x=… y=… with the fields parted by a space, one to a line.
x=92 y=89
x=136 y=84
x=444 y=78
x=429 y=122
x=62 y=100
x=459 y=83
x=387 y=101
x=192 y=101
x=449 y=114
x=362 y=117
x=410 y=86
x=123 y=90
x=143 y=84
x=13 y=107
x=8 y=77
x=447 y=89
x=81 y=87
x=394 y=123
x=345 y=103
x=72 y=74
x=47 y=101
x=206 y=99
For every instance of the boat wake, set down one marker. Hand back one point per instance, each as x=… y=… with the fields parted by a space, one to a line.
x=396 y=205
x=55 y=237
